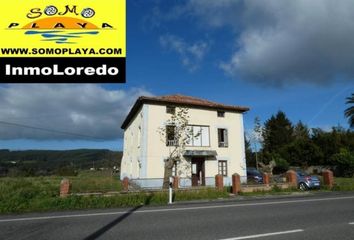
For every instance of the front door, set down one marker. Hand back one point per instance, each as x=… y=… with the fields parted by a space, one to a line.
x=198 y=172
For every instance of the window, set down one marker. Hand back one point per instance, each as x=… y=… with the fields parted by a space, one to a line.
x=221 y=114
x=199 y=136
x=222 y=137
x=222 y=166
x=170 y=109
x=139 y=136
x=170 y=136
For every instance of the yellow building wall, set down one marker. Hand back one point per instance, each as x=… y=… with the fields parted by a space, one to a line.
x=234 y=154
x=131 y=165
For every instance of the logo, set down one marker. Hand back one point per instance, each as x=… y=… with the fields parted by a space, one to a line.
x=64 y=26
x=40 y=39
x=55 y=71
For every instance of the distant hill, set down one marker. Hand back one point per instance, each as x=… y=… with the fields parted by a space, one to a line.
x=46 y=162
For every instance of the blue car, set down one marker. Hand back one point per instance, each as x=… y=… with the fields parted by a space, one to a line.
x=253 y=175
x=306 y=182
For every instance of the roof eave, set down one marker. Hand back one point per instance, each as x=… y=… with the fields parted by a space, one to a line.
x=167 y=102
x=132 y=113
x=142 y=100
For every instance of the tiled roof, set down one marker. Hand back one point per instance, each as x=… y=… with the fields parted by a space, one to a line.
x=180 y=100
x=192 y=101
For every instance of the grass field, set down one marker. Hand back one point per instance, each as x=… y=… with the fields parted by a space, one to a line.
x=92 y=181
x=343 y=184
x=35 y=194
x=42 y=193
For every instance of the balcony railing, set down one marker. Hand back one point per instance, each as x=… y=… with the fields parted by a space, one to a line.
x=172 y=142
x=223 y=144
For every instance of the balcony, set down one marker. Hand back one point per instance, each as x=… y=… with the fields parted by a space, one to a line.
x=223 y=144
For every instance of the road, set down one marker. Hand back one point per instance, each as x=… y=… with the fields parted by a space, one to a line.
x=321 y=216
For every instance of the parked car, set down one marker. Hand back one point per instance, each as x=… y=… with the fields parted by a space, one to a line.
x=306 y=182
x=253 y=175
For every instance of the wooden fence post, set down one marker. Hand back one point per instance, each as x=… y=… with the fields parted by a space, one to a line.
x=64 y=188
x=125 y=184
x=219 y=182
x=175 y=182
x=236 y=183
x=266 y=178
x=328 y=178
x=291 y=178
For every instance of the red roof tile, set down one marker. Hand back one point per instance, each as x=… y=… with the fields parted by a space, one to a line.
x=180 y=100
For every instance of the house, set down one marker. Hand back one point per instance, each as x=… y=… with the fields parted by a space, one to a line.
x=217 y=149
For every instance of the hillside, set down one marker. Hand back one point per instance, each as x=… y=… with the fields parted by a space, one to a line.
x=48 y=162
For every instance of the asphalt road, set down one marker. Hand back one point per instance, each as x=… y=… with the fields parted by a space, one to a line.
x=322 y=216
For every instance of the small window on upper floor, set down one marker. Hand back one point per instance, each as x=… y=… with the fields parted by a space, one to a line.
x=221 y=114
x=170 y=109
x=223 y=137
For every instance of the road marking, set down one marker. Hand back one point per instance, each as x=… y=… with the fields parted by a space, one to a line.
x=265 y=234
x=174 y=209
x=352 y=223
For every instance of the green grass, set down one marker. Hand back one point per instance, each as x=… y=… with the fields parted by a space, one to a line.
x=92 y=181
x=343 y=184
x=35 y=194
x=42 y=193
x=207 y=194
x=97 y=202
x=274 y=191
x=19 y=194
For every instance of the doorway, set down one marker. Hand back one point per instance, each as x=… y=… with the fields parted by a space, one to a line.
x=198 y=172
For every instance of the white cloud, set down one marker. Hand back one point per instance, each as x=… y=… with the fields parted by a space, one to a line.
x=85 y=109
x=281 y=42
x=191 y=54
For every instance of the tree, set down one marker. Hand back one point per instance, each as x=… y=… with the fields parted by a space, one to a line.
x=349 y=112
x=302 y=153
x=268 y=168
x=345 y=162
x=278 y=132
x=257 y=137
x=250 y=161
x=278 y=164
x=331 y=142
x=301 y=131
x=176 y=134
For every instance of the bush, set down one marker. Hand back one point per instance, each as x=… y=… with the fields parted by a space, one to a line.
x=282 y=166
x=345 y=162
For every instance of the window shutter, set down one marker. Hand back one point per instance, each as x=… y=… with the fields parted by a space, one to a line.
x=205 y=136
x=226 y=138
x=219 y=135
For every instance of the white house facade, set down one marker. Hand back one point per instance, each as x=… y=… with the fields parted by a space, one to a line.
x=218 y=148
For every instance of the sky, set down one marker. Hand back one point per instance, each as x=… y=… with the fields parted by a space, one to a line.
x=293 y=56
